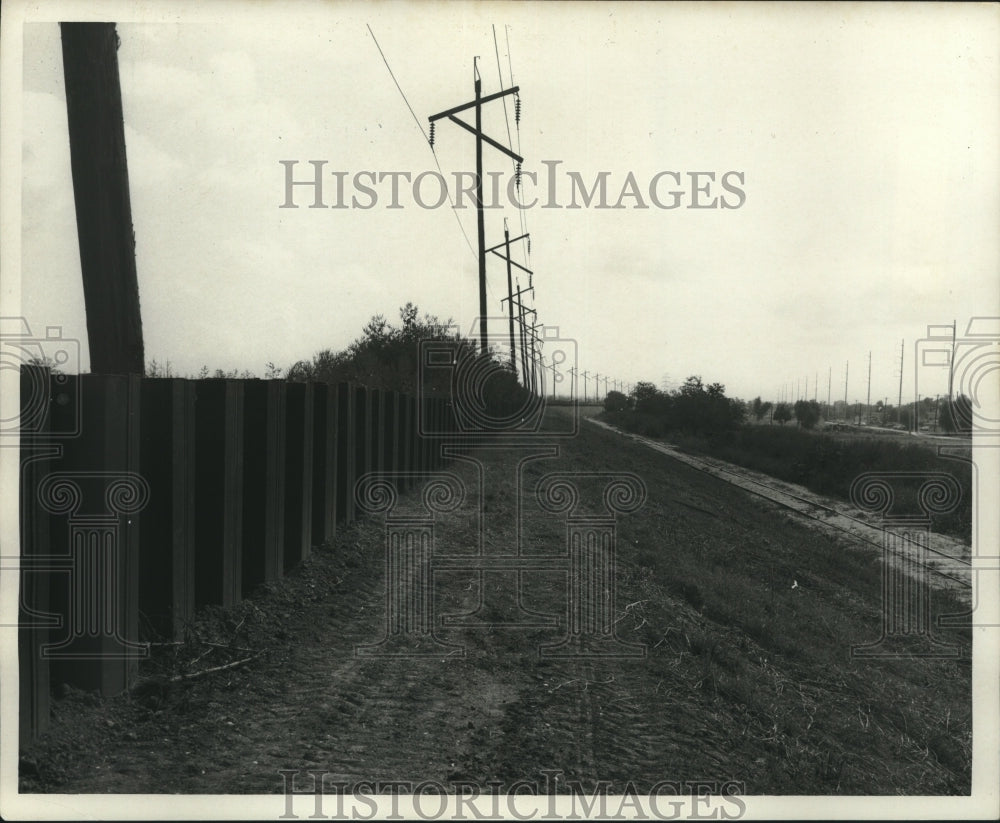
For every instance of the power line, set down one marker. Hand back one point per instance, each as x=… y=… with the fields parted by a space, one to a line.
x=524 y=218
x=454 y=211
x=506 y=118
x=394 y=80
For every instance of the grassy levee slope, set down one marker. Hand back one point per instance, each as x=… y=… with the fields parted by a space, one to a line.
x=745 y=677
x=754 y=677
x=825 y=463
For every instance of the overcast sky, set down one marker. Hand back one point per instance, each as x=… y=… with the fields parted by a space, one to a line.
x=866 y=138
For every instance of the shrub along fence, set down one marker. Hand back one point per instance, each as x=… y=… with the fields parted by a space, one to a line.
x=144 y=499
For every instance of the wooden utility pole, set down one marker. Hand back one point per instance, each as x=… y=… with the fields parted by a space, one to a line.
x=951 y=364
x=586 y=374
x=510 y=289
x=524 y=350
x=535 y=353
x=514 y=299
x=847 y=371
x=868 y=402
x=477 y=130
x=101 y=194
x=899 y=404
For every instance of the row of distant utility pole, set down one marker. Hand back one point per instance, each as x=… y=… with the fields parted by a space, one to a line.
x=802 y=389
x=610 y=384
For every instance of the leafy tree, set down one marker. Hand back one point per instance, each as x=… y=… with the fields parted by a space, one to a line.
x=694 y=407
x=956 y=415
x=905 y=417
x=704 y=409
x=154 y=368
x=615 y=401
x=692 y=387
x=758 y=409
x=807 y=413
x=782 y=413
x=385 y=356
x=645 y=396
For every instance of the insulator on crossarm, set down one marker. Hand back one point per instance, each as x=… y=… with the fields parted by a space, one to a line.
x=431 y=138
x=517 y=175
x=517 y=108
x=529 y=245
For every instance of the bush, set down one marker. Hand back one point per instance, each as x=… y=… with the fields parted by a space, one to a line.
x=956 y=415
x=807 y=413
x=615 y=401
x=694 y=408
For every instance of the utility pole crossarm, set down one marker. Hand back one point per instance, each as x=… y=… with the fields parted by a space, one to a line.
x=498 y=146
x=488 y=98
x=512 y=262
x=476 y=104
x=518 y=293
x=512 y=240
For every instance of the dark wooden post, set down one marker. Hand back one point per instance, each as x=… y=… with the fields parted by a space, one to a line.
x=324 y=506
x=34 y=624
x=167 y=462
x=264 y=482
x=377 y=412
x=97 y=496
x=299 y=407
x=362 y=434
x=219 y=500
x=346 y=452
x=100 y=188
x=392 y=432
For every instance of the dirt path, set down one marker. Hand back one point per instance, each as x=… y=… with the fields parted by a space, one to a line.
x=744 y=678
